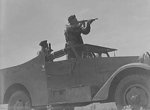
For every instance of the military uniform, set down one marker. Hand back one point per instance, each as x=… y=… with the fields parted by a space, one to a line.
x=73 y=36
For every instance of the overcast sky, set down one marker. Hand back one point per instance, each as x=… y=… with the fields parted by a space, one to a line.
x=122 y=24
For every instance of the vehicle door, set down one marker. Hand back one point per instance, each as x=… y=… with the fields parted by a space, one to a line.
x=87 y=70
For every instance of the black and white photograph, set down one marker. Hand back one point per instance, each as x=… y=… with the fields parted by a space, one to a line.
x=74 y=54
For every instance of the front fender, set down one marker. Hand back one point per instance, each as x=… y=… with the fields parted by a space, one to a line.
x=103 y=93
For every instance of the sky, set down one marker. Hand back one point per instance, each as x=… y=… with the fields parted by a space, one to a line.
x=122 y=24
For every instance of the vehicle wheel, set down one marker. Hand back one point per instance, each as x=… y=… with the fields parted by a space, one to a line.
x=63 y=108
x=133 y=90
x=19 y=101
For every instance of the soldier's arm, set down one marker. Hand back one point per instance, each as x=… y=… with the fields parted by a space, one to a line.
x=73 y=28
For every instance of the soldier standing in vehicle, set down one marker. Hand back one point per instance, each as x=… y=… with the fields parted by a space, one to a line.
x=73 y=33
x=46 y=50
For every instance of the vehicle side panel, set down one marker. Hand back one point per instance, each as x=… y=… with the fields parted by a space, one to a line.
x=31 y=75
x=85 y=73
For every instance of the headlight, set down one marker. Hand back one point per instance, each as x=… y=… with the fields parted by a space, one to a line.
x=145 y=58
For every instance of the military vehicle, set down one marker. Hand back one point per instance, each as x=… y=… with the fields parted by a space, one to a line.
x=96 y=76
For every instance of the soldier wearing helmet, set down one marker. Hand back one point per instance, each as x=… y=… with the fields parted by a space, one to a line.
x=73 y=33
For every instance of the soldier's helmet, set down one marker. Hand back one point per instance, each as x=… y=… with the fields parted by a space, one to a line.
x=44 y=44
x=70 y=18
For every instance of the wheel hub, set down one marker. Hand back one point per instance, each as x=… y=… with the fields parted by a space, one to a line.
x=136 y=96
x=20 y=105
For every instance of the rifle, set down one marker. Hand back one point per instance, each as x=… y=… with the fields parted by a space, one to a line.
x=90 y=20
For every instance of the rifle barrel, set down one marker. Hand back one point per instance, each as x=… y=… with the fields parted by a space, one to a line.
x=87 y=20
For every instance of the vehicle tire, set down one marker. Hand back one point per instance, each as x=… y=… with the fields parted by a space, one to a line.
x=133 y=90
x=19 y=100
x=63 y=108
